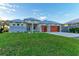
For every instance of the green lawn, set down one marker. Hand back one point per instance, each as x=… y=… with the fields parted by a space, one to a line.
x=37 y=44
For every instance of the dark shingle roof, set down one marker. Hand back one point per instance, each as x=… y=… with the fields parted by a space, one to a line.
x=32 y=19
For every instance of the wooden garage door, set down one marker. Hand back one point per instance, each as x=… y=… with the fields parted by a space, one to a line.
x=44 y=28
x=54 y=28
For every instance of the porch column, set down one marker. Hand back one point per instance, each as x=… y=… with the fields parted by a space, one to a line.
x=32 y=28
x=60 y=28
x=26 y=26
x=48 y=28
x=39 y=27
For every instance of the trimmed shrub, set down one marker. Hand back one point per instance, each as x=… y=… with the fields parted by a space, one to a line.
x=74 y=30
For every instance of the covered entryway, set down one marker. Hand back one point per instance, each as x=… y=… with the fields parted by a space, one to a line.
x=44 y=28
x=54 y=28
x=35 y=28
x=29 y=26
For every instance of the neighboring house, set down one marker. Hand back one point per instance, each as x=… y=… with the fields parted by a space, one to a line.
x=33 y=25
x=71 y=24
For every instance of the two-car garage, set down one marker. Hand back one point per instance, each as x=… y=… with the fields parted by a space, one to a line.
x=51 y=28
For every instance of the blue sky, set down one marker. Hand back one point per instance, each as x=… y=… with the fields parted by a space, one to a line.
x=59 y=12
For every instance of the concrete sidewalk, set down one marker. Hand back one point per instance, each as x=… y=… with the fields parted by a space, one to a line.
x=65 y=34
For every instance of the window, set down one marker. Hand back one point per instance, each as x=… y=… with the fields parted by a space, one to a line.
x=17 y=24
x=65 y=25
x=13 y=24
x=34 y=27
x=21 y=24
x=28 y=28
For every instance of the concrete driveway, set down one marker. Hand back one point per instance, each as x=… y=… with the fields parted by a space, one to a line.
x=65 y=34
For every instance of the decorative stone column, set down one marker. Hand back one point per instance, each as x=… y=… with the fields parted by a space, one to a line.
x=48 y=28
x=32 y=28
x=60 y=28
x=39 y=27
x=25 y=24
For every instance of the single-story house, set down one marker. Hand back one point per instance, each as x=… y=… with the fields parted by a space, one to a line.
x=33 y=25
x=71 y=24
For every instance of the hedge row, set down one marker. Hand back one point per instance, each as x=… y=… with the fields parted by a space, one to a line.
x=74 y=30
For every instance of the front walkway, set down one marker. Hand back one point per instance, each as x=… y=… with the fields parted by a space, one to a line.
x=65 y=34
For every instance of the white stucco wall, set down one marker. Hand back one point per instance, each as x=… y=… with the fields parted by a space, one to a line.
x=20 y=28
x=23 y=28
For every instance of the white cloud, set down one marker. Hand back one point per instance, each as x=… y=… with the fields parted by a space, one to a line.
x=7 y=8
x=2 y=7
x=43 y=17
x=4 y=18
x=36 y=12
x=7 y=5
x=67 y=15
x=39 y=13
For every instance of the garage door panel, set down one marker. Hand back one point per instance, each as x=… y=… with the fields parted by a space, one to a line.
x=54 y=28
x=44 y=28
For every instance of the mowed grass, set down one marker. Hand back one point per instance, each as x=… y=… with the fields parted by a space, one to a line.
x=37 y=44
